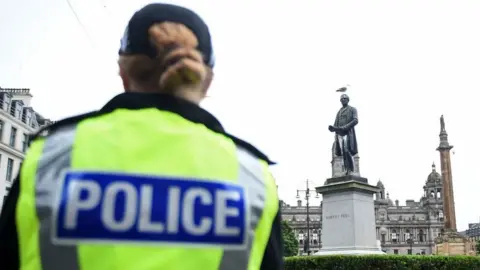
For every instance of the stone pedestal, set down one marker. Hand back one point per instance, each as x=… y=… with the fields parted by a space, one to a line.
x=338 y=169
x=452 y=243
x=348 y=218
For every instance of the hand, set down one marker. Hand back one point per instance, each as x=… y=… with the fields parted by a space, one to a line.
x=331 y=128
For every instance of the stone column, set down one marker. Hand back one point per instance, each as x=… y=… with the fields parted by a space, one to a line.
x=448 y=197
x=450 y=242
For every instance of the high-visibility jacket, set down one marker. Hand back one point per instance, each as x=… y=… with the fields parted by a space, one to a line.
x=143 y=186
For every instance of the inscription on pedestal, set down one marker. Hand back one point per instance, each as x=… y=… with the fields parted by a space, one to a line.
x=337 y=216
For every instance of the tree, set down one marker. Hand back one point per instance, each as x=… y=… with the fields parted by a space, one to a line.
x=290 y=242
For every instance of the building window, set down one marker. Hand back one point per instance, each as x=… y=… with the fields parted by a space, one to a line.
x=18 y=111
x=9 y=170
x=13 y=137
x=300 y=237
x=7 y=103
x=409 y=252
x=421 y=236
x=407 y=235
x=13 y=108
x=394 y=236
x=24 y=115
x=25 y=142
x=2 y=124
x=383 y=238
x=395 y=251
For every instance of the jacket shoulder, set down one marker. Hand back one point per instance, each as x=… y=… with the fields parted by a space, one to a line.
x=250 y=148
x=49 y=129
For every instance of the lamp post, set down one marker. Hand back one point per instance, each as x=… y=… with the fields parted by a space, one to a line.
x=307 y=198
x=410 y=242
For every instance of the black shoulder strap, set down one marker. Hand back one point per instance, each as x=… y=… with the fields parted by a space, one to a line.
x=62 y=123
x=250 y=148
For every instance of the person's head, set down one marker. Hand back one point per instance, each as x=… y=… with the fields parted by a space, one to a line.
x=167 y=49
x=344 y=99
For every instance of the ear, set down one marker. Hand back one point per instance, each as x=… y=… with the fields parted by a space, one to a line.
x=207 y=82
x=125 y=80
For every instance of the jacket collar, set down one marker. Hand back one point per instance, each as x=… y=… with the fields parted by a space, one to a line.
x=184 y=108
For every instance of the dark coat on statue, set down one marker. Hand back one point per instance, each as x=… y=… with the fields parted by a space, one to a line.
x=347 y=118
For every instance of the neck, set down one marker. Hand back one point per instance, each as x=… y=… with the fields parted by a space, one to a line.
x=189 y=93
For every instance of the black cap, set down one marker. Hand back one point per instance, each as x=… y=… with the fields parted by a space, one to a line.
x=136 y=39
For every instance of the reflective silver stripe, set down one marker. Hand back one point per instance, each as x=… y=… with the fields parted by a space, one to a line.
x=55 y=159
x=251 y=176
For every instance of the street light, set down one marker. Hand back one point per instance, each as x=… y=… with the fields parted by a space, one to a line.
x=307 y=198
x=410 y=242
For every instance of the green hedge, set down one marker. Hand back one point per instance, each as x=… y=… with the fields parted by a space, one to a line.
x=383 y=262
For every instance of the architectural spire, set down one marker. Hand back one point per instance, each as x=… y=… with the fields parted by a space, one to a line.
x=445 y=162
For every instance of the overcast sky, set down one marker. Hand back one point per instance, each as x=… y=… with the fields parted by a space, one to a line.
x=278 y=64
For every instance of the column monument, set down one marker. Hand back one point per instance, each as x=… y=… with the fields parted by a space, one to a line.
x=348 y=218
x=449 y=242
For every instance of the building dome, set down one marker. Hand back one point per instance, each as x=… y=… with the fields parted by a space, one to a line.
x=390 y=202
x=380 y=184
x=434 y=176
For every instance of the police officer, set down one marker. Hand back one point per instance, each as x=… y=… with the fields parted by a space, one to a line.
x=150 y=181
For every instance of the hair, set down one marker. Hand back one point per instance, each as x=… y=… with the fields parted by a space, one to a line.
x=178 y=68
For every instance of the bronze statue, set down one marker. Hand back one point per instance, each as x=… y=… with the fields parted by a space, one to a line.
x=345 y=138
x=442 y=124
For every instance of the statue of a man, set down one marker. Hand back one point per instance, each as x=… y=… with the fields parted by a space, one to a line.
x=442 y=124
x=345 y=138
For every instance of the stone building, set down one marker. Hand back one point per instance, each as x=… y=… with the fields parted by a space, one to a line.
x=18 y=120
x=413 y=227
x=473 y=231
x=296 y=216
x=401 y=229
